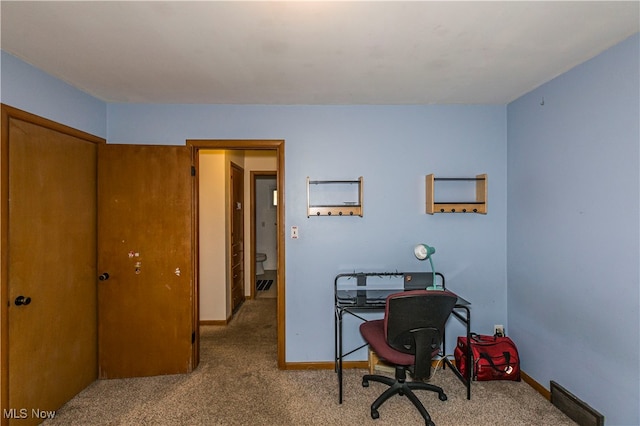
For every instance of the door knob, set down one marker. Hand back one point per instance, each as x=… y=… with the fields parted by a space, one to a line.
x=21 y=300
x=103 y=277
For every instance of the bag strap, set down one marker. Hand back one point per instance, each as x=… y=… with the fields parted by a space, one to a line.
x=507 y=357
x=482 y=339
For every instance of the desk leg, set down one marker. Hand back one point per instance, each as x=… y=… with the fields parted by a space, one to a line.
x=466 y=379
x=338 y=352
x=335 y=341
x=468 y=354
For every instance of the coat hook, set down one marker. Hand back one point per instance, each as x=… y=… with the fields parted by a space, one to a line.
x=542 y=102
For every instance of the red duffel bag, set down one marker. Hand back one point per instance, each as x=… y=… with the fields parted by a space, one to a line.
x=492 y=358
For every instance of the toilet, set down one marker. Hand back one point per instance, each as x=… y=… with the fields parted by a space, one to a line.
x=260 y=257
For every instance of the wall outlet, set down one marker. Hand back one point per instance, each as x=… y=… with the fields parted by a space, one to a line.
x=498 y=330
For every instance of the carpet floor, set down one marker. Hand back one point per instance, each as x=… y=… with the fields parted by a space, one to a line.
x=238 y=383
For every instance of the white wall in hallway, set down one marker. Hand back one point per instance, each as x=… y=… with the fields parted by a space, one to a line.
x=212 y=235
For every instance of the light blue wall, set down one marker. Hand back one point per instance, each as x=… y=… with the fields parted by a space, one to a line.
x=27 y=88
x=573 y=231
x=393 y=148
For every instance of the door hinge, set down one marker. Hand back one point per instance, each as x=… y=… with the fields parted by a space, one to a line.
x=193 y=337
x=193 y=170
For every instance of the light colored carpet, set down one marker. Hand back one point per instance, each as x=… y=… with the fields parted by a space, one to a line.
x=238 y=383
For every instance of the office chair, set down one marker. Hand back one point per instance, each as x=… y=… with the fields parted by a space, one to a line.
x=408 y=337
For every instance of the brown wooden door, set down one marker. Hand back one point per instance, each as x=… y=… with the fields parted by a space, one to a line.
x=51 y=269
x=237 y=237
x=145 y=307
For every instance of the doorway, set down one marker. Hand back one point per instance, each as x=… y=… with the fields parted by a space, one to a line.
x=235 y=149
x=264 y=241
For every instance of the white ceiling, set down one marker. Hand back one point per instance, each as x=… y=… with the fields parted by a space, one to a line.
x=304 y=52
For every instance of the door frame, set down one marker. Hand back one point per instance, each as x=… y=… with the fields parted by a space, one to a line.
x=252 y=273
x=9 y=113
x=243 y=145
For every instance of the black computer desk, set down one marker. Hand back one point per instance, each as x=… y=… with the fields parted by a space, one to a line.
x=354 y=296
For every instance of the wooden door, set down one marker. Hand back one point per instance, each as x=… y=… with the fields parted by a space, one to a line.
x=51 y=269
x=237 y=237
x=145 y=307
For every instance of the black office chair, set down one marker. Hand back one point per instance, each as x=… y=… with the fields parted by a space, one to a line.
x=409 y=336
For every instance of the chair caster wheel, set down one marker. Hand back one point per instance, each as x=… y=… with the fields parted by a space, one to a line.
x=442 y=397
x=374 y=414
x=365 y=383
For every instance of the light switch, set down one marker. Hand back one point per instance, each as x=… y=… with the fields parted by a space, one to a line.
x=294 y=232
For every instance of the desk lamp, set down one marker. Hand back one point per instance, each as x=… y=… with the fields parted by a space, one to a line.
x=422 y=252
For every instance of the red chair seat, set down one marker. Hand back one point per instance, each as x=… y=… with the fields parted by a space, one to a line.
x=373 y=333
